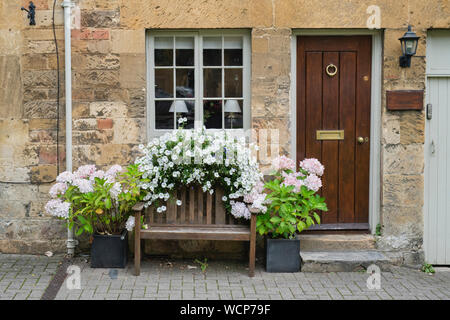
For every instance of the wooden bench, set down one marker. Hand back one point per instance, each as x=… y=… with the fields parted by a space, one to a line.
x=200 y=217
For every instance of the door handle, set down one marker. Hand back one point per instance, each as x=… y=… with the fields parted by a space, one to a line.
x=361 y=140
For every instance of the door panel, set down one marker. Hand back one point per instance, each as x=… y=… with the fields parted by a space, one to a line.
x=437 y=217
x=336 y=102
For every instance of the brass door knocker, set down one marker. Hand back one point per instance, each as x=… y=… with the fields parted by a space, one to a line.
x=331 y=70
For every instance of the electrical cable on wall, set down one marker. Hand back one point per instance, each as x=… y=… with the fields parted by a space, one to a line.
x=57 y=97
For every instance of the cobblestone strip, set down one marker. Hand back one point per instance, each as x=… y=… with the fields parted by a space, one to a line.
x=26 y=276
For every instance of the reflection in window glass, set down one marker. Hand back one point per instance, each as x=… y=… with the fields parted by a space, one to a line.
x=212 y=114
x=185 y=83
x=164 y=118
x=233 y=83
x=163 y=83
x=212 y=83
x=233 y=51
x=189 y=115
x=233 y=114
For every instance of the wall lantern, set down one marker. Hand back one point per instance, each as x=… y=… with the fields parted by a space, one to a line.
x=409 y=43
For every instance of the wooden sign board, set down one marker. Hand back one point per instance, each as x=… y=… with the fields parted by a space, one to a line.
x=404 y=100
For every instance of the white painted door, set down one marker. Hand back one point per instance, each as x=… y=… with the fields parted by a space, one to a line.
x=437 y=150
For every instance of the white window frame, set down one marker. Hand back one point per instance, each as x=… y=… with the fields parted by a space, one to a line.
x=198 y=74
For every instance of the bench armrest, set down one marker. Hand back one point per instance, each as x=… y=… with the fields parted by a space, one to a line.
x=138 y=206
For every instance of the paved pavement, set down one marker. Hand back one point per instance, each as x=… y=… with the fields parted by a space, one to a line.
x=27 y=277
x=162 y=279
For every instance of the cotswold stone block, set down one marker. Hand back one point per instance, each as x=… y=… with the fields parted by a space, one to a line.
x=128 y=41
x=41 y=78
x=402 y=190
x=403 y=159
x=412 y=127
x=10 y=87
x=43 y=173
x=84 y=124
x=129 y=131
x=96 y=78
x=40 y=109
x=93 y=136
x=402 y=221
x=132 y=70
x=100 y=19
x=108 y=109
x=95 y=61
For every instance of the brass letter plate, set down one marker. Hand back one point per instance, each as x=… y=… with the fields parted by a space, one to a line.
x=330 y=134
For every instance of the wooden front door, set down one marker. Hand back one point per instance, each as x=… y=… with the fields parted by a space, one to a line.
x=333 y=122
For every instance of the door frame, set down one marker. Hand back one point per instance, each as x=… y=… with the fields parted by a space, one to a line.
x=375 y=108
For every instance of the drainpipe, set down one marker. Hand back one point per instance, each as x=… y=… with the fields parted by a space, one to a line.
x=67 y=5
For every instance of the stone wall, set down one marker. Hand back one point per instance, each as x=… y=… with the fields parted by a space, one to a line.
x=109 y=106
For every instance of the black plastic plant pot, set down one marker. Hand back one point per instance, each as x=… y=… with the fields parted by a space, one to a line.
x=109 y=251
x=283 y=255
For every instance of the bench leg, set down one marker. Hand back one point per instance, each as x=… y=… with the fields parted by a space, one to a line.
x=252 y=251
x=137 y=244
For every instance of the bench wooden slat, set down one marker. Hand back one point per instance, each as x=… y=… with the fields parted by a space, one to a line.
x=213 y=233
x=199 y=213
x=182 y=208
x=220 y=210
x=191 y=205
x=208 y=208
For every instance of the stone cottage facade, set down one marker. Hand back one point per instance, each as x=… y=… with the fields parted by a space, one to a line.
x=111 y=102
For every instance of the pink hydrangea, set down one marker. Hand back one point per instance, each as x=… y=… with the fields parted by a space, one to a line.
x=313 y=166
x=97 y=174
x=86 y=171
x=313 y=182
x=65 y=177
x=111 y=174
x=283 y=163
x=240 y=210
x=57 y=189
x=291 y=179
x=58 y=208
x=83 y=185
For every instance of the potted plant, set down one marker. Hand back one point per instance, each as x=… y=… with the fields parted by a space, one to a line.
x=99 y=203
x=293 y=206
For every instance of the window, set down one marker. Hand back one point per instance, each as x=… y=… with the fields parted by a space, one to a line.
x=203 y=76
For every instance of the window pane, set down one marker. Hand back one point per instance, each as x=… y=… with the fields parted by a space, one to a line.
x=163 y=51
x=233 y=57
x=233 y=114
x=163 y=83
x=189 y=115
x=233 y=51
x=212 y=57
x=212 y=51
x=164 y=118
x=185 y=83
x=184 y=51
x=212 y=114
x=233 y=83
x=212 y=83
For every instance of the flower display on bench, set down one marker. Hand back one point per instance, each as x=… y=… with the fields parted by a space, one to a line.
x=208 y=159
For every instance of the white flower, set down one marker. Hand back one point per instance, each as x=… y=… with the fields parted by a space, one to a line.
x=58 y=208
x=129 y=225
x=57 y=189
x=65 y=177
x=115 y=190
x=83 y=185
x=179 y=202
